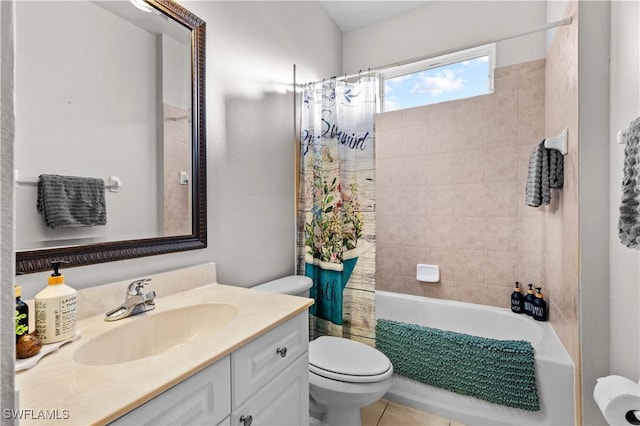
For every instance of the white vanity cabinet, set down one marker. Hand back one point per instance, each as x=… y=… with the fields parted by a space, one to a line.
x=270 y=377
x=265 y=382
x=202 y=399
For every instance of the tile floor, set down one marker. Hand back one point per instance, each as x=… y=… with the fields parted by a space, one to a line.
x=386 y=413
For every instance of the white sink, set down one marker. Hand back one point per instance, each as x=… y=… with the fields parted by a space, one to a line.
x=150 y=334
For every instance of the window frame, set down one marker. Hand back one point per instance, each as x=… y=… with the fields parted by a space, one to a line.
x=436 y=62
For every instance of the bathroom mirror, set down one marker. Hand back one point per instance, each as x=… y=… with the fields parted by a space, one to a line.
x=114 y=90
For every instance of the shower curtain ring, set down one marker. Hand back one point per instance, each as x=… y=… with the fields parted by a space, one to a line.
x=359 y=75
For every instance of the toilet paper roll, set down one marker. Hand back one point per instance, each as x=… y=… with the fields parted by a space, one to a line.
x=617 y=397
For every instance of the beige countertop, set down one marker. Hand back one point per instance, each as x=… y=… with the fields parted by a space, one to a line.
x=77 y=394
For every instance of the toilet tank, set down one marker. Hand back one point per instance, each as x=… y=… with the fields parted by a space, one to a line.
x=295 y=285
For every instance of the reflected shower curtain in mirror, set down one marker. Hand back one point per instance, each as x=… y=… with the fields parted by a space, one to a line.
x=336 y=215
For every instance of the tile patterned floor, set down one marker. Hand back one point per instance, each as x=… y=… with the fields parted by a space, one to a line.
x=386 y=413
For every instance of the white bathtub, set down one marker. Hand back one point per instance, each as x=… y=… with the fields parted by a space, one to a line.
x=554 y=368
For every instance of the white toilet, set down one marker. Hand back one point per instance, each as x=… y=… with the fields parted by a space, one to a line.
x=344 y=375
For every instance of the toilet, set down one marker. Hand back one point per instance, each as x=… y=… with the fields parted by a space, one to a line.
x=344 y=375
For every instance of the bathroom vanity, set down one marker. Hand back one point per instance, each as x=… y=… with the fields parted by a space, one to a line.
x=213 y=354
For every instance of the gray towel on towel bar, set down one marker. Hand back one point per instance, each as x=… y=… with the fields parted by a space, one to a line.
x=546 y=171
x=629 y=222
x=70 y=201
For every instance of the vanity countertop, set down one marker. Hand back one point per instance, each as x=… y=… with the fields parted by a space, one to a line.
x=74 y=393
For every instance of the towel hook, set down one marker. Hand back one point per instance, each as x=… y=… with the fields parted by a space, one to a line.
x=558 y=142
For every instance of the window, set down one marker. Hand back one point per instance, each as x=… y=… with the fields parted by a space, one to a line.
x=454 y=76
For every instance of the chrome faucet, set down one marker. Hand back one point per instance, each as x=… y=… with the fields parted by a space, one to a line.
x=136 y=301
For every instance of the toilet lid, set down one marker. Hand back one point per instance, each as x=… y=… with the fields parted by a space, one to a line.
x=347 y=360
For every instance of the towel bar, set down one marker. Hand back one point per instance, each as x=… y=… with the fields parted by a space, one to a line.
x=114 y=185
x=558 y=142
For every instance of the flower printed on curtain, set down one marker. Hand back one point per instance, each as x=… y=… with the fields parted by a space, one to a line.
x=337 y=214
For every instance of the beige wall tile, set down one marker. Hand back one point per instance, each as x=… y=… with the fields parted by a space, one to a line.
x=389 y=143
x=441 y=201
x=440 y=126
x=501 y=164
x=502 y=234
x=469 y=166
x=530 y=125
x=469 y=233
x=389 y=260
x=414 y=140
x=531 y=88
x=389 y=172
x=389 y=231
x=502 y=268
x=414 y=171
x=411 y=257
x=414 y=116
x=470 y=266
x=501 y=199
x=441 y=232
x=446 y=259
x=454 y=194
x=388 y=120
x=470 y=200
x=469 y=131
x=414 y=231
x=390 y=200
x=415 y=201
x=440 y=168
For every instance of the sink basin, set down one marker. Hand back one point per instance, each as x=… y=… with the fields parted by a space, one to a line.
x=144 y=335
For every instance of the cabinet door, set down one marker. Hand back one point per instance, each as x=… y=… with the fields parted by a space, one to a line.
x=202 y=399
x=258 y=362
x=283 y=401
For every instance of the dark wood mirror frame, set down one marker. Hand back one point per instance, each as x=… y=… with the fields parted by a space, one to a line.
x=40 y=260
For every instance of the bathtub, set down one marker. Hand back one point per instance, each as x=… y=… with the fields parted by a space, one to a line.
x=554 y=368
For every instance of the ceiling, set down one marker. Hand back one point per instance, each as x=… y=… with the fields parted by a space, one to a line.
x=351 y=15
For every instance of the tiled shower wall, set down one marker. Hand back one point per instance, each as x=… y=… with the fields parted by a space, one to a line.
x=450 y=191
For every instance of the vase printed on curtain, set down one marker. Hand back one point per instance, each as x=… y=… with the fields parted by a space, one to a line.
x=337 y=215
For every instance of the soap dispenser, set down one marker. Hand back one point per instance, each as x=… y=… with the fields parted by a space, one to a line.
x=22 y=314
x=517 y=300
x=56 y=308
x=539 y=309
x=528 y=301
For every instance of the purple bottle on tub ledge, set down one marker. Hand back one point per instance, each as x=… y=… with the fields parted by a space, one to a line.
x=539 y=309
x=517 y=300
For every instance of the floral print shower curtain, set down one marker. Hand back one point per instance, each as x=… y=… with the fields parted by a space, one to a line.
x=336 y=223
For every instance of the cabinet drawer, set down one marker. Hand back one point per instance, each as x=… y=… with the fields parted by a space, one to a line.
x=255 y=364
x=283 y=401
x=201 y=399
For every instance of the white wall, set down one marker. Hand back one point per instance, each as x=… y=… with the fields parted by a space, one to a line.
x=251 y=49
x=593 y=89
x=7 y=232
x=72 y=120
x=444 y=25
x=624 y=262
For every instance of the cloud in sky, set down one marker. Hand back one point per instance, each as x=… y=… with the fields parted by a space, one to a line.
x=434 y=84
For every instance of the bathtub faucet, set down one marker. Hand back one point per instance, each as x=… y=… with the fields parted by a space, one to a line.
x=136 y=301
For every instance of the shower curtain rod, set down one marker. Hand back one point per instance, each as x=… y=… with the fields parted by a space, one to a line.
x=550 y=25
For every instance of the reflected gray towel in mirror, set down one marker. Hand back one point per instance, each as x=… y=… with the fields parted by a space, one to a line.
x=629 y=222
x=70 y=201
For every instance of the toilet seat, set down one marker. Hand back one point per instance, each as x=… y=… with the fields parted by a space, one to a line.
x=347 y=361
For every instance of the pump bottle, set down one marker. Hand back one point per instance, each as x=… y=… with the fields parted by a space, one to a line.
x=517 y=300
x=528 y=300
x=56 y=309
x=539 y=309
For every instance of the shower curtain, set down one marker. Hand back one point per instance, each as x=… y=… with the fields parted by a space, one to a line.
x=336 y=223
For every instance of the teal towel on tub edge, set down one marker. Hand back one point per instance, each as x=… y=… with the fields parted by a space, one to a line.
x=498 y=371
